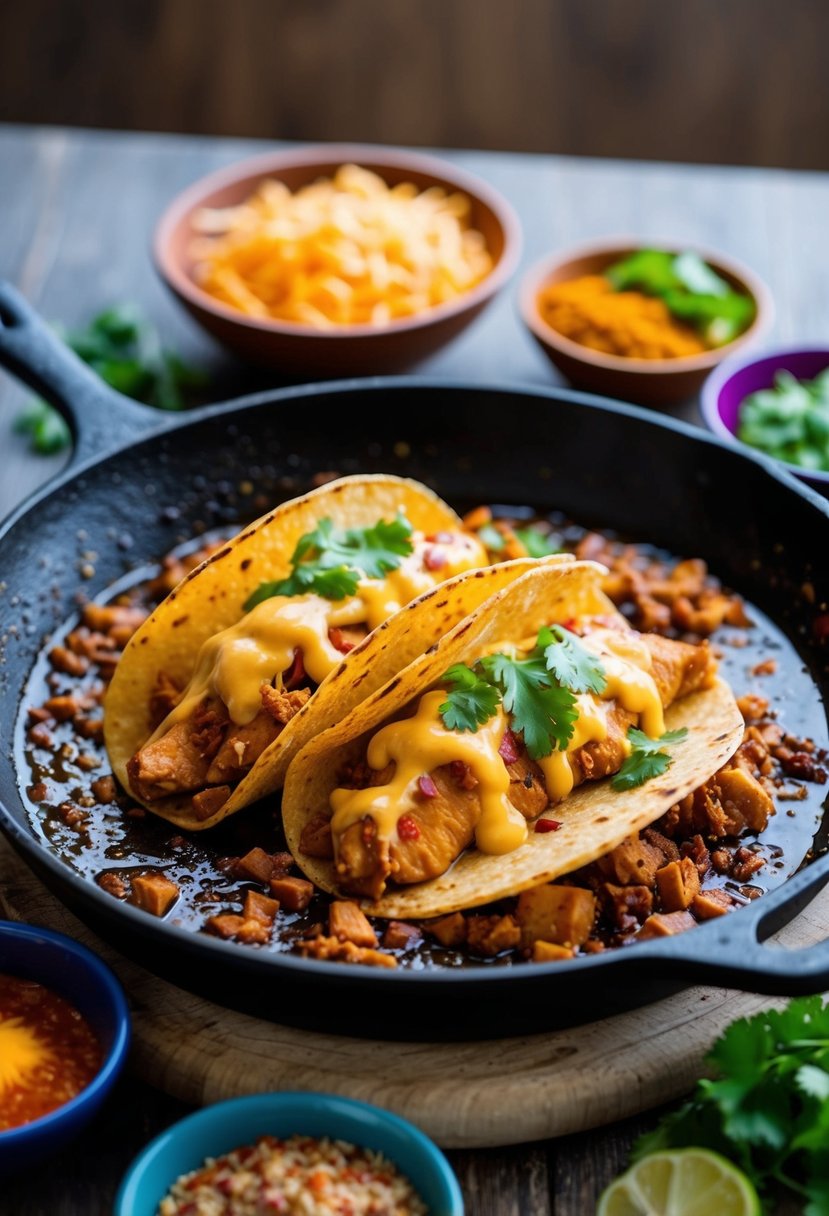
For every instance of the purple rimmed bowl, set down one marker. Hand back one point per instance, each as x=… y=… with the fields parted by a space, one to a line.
x=727 y=388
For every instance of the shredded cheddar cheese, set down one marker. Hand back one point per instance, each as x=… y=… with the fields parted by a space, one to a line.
x=346 y=250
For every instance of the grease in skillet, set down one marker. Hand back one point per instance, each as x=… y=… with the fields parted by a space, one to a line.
x=230 y=880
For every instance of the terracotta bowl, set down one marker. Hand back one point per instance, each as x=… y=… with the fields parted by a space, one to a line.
x=354 y=349
x=645 y=381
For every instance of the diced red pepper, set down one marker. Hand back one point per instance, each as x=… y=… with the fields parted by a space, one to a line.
x=441 y=538
x=427 y=786
x=435 y=559
x=407 y=829
x=508 y=751
x=296 y=672
x=462 y=774
x=335 y=637
x=547 y=825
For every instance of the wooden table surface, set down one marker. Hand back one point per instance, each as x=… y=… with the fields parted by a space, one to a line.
x=78 y=210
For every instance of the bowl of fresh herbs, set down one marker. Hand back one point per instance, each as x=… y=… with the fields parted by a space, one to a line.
x=776 y=403
x=646 y=323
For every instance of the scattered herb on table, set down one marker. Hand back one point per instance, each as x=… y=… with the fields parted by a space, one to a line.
x=767 y=1107
x=331 y=561
x=691 y=290
x=647 y=758
x=127 y=353
x=790 y=420
x=48 y=431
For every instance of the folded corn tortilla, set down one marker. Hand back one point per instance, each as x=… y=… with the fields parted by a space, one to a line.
x=594 y=818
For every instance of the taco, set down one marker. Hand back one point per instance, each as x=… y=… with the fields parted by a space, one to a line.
x=512 y=753
x=281 y=633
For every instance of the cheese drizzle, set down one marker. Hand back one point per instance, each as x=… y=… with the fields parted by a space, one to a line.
x=422 y=743
x=234 y=663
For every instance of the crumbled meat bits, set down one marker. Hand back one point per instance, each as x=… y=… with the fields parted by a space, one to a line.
x=741 y=832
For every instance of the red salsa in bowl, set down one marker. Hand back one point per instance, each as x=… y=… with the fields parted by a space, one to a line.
x=64 y=1038
x=48 y=1052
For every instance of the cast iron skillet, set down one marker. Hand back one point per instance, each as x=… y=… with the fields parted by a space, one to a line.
x=165 y=479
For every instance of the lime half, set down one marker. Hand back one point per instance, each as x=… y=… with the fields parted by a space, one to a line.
x=688 y=1182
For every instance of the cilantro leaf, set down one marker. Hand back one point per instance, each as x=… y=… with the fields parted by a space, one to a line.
x=331 y=561
x=536 y=542
x=541 y=710
x=470 y=701
x=647 y=759
x=373 y=551
x=572 y=664
x=767 y=1108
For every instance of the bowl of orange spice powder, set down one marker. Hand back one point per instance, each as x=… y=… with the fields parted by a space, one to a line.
x=64 y=1036
x=642 y=322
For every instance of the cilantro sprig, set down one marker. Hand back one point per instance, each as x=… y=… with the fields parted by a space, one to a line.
x=542 y=710
x=538 y=692
x=126 y=351
x=573 y=665
x=647 y=758
x=471 y=700
x=767 y=1106
x=331 y=561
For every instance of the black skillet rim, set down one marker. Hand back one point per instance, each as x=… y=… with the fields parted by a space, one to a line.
x=687 y=950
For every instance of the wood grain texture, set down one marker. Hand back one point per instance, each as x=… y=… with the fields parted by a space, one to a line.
x=739 y=81
x=464 y=1095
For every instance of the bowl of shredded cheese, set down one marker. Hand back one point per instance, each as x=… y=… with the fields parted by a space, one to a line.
x=640 y=321
x=337 y=259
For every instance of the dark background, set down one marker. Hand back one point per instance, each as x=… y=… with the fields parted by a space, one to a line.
x=730 y=81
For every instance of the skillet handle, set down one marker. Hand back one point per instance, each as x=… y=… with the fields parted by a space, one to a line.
x=100 y=418
x=739 y=956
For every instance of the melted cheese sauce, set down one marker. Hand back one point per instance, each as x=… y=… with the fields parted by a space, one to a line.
x=430 y=562
x=627 y=667
x=421 y=744
x=235 y=663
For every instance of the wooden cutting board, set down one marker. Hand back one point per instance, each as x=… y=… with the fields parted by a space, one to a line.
x=464 y=1095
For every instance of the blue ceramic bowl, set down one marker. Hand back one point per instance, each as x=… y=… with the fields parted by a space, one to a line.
x=228 y=1125
x=75 y=973
x=725 y=390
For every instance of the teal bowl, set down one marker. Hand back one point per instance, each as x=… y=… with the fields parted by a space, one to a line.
x=228 y=1125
